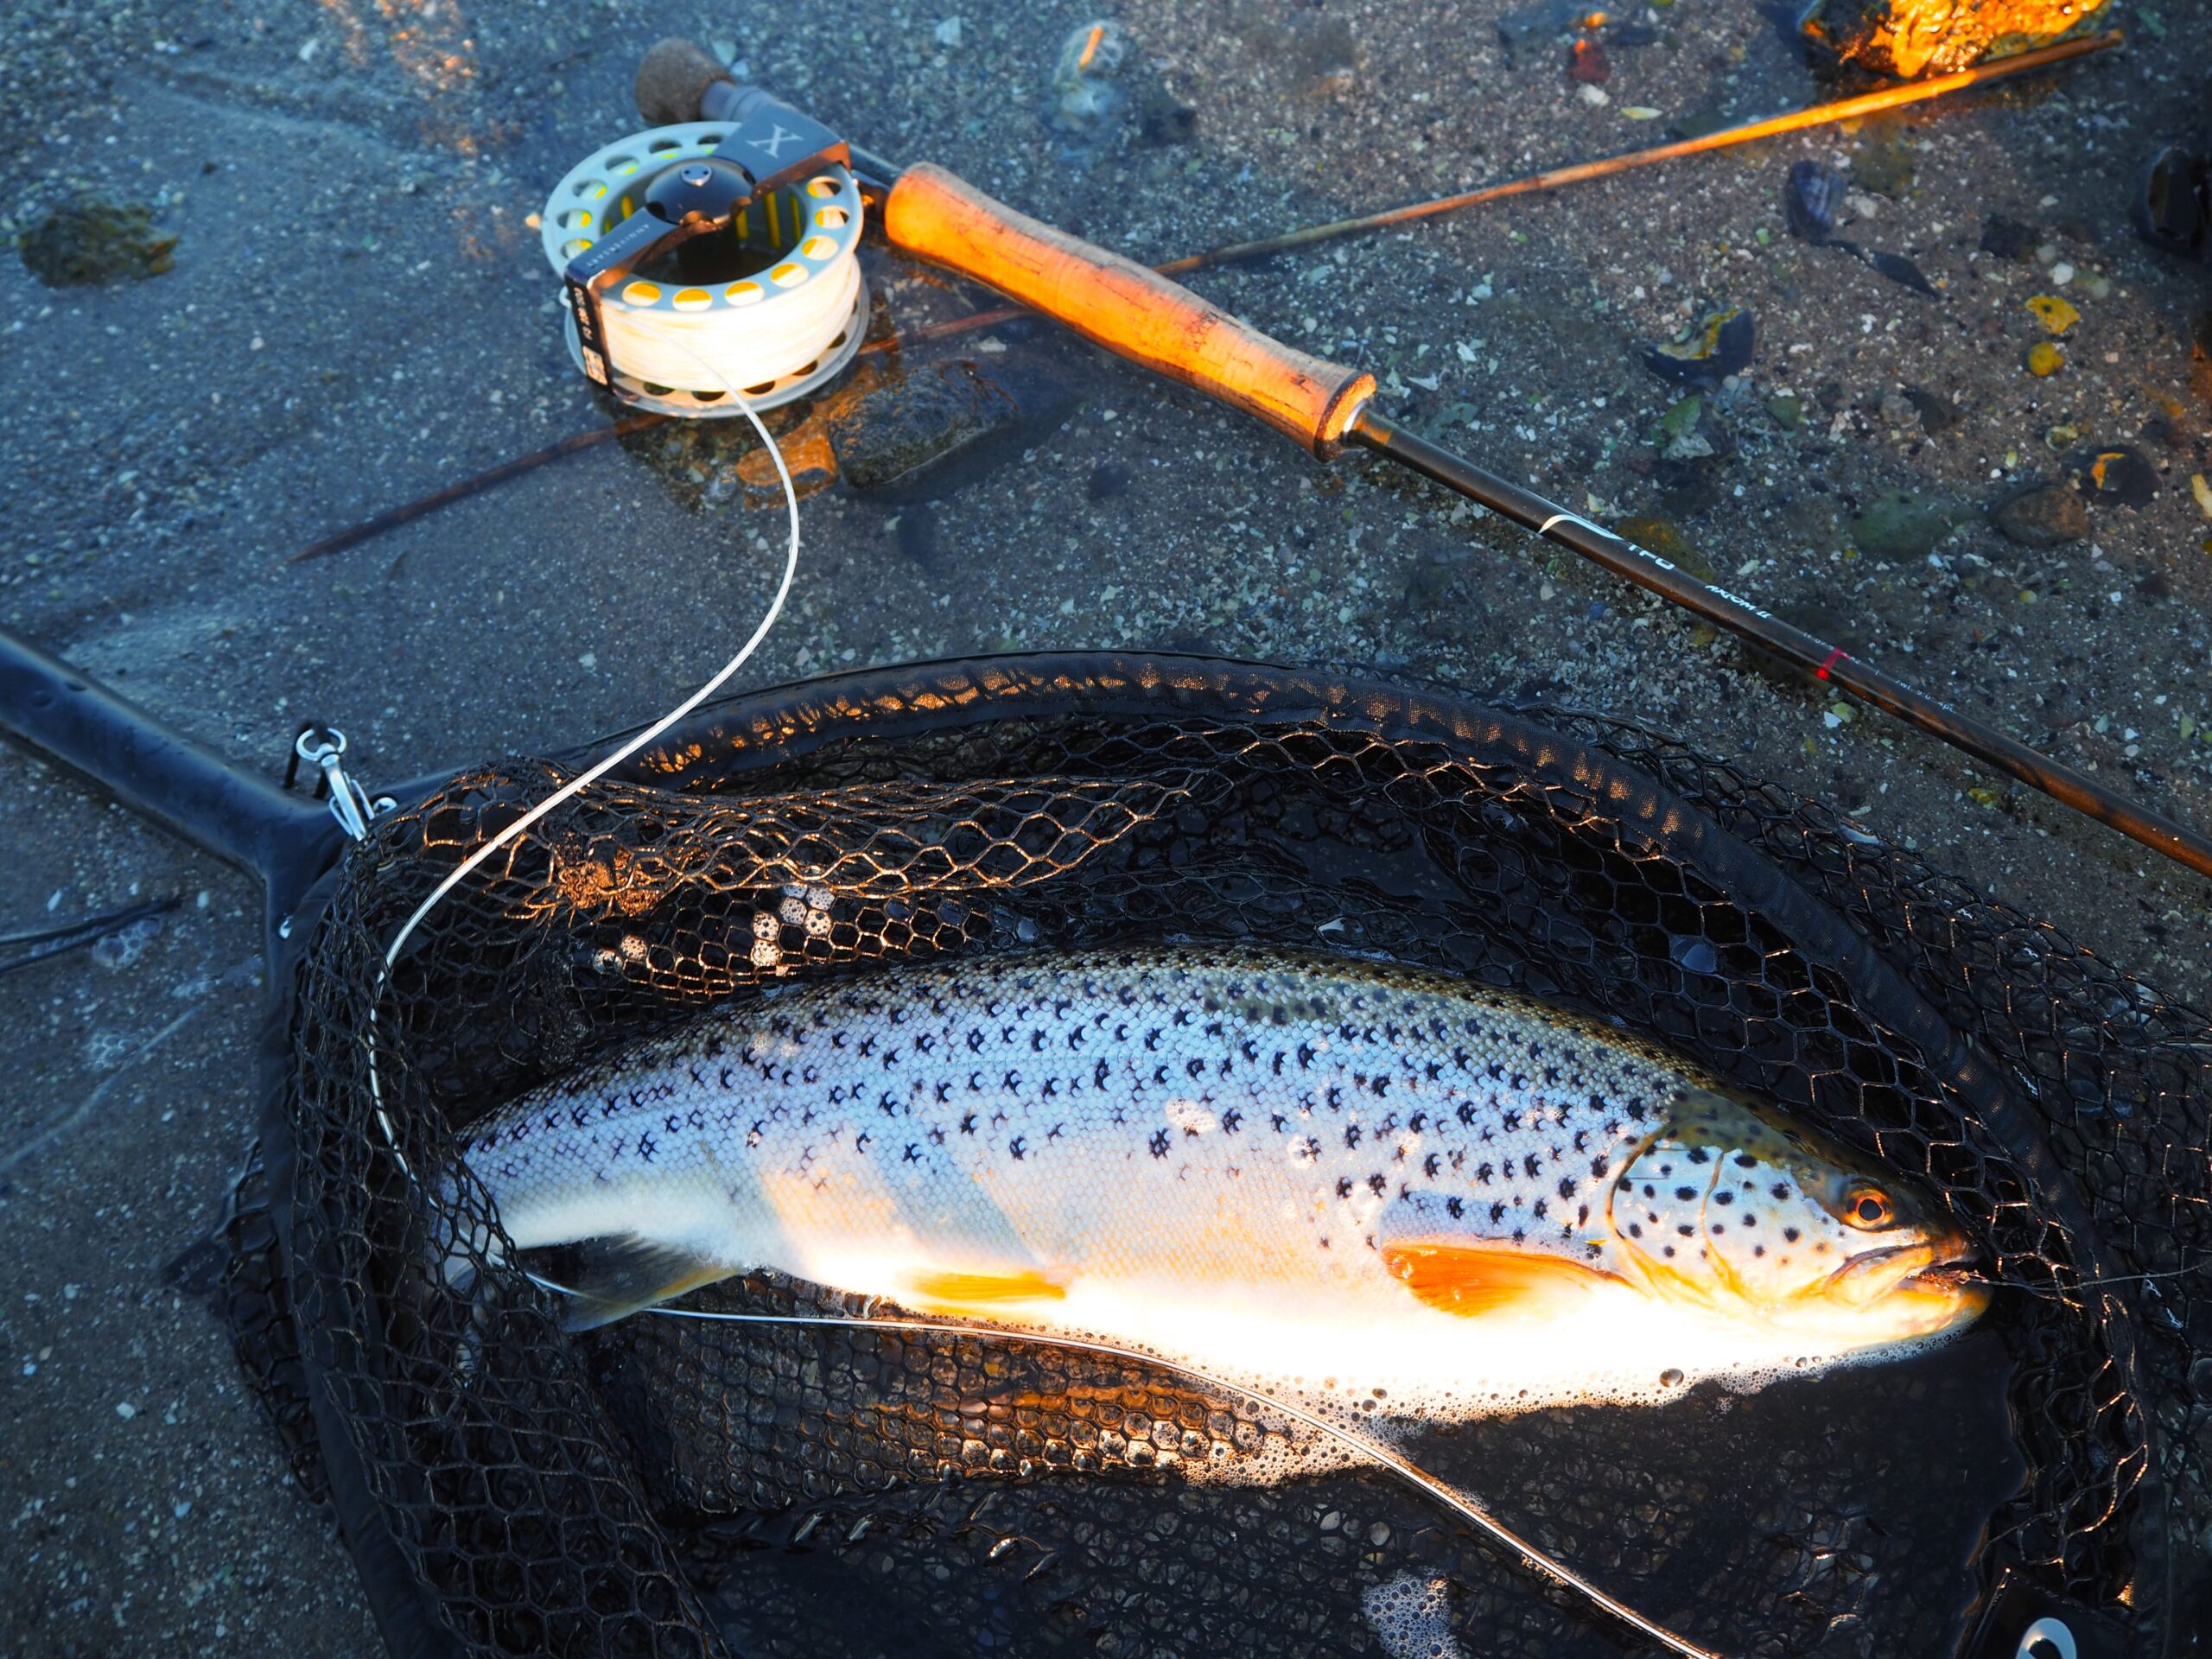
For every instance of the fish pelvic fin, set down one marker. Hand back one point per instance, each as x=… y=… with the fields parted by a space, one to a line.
x=1471 y=1281
x=624 y=1273
x=978 y=1293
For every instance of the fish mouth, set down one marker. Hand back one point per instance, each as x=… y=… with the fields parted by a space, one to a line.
x=1944 y=1269
x=1955 y=1283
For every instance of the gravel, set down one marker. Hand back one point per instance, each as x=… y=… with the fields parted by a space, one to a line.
x=358 y=314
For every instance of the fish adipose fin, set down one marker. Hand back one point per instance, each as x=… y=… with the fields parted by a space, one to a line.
x=1471 y=1281
x=949 y=1293
x=617 y=1276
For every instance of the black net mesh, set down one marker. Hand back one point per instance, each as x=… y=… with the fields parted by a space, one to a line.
x=671 y=1485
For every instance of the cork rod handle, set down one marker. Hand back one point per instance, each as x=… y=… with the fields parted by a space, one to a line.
x=1130 y=311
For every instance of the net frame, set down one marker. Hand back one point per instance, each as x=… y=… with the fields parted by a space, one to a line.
x=2076 y=1099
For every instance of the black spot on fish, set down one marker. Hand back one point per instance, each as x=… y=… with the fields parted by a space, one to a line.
x=1566 y=1187
x=1531 y=1165
x=1454 y=1209
x=1791 y=1234
x=1159 y=1143
x=1352 y=1135
x=1636 y=1229
x=1343 y=1186
x=1723 y=1197
x=1497 y=1212
x=1685 y=1230
x=1779 y=1190
x=1686 y=1192
x=1670 y=1250
x=1745 y=1160
x=1376 y=1183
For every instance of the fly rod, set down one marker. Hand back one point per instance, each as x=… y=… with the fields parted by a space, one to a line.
x=1141 y=316
x=654 y=87
x=1773 y=126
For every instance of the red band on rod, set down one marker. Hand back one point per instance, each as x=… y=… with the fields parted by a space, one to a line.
x=1836 y=654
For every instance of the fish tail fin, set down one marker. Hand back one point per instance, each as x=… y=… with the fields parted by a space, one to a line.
x=624 y=1273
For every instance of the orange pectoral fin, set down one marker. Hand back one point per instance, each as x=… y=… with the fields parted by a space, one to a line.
x=1473 y=1279
x=979 y=1292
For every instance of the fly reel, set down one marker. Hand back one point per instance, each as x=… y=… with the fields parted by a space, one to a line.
x=709 y=256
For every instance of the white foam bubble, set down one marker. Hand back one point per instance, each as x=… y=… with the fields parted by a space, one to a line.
x=1411 y=1617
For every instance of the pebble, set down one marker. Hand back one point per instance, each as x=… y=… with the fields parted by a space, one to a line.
x=2050 y=515
x=2044 y=359
x=2055 y=314
x=1654 y=534
x=1900 y=527
x=1938 y=414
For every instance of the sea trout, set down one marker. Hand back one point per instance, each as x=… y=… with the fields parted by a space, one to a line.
x=1321 y=1171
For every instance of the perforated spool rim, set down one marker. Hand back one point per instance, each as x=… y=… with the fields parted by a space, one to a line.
x=630 y=162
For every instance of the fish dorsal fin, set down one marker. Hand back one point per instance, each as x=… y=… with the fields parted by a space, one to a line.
x=951 y=1291
x=622 y=1274
x=1471 y=1280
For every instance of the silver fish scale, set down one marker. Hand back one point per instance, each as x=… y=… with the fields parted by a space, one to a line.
x=1157 y=1115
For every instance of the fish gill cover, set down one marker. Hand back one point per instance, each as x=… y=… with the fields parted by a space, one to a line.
x=667 y=1485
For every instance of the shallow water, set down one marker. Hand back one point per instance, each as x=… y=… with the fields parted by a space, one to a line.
x=358 y=314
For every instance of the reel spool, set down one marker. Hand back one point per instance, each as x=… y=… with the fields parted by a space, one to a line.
x=774 y=304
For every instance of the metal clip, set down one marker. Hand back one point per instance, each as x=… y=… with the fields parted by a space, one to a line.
x=349 y=802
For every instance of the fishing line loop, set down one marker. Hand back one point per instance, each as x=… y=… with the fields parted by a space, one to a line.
x=591 y=775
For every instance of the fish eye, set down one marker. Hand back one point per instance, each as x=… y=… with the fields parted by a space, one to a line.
x=1867 y=1207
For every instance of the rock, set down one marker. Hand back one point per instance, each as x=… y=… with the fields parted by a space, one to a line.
x=2050 y=515
x=1882 y=162
x=93 y=242
x=2173 y=209
x=1787 y=412
x=1900 y=526
x=1810 y=197
x=1084 y=100
x=1907 y=39
x=1720 y=344
x=2117 y=476
x=1938 y=414
x=1691 y=430
x=917 y=534
x=2044 y=359
x=2057 y=315
x=939 y=426
x=1899 y=269
x=1108 y=480
x=1164 y=118
x=2007 y=239
x=1587 y=63
x=1813 y=522
x=1668 y=539
x=1535 y=24
x=1440 y=601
